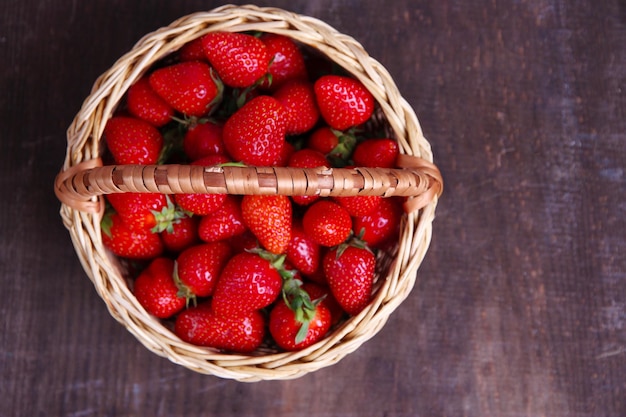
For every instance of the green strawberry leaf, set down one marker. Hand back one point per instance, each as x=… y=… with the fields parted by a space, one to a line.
x=301 y=335
x=342 y=153
x=168 y=217
x=107 y=222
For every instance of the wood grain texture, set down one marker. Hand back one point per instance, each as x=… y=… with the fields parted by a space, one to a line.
x=520 y=304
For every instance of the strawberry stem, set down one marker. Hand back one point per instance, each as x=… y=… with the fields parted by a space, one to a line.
x=233 y=164
x=354 y=241
x=215 y=103
x=172 y=140
x=183 y=290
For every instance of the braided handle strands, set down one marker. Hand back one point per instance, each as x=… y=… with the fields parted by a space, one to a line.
x=76 y=187
x=83 y=181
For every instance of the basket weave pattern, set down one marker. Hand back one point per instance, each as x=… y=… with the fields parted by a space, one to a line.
x=83 y=181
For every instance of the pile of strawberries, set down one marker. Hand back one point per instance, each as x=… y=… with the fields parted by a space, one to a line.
x=236 y=272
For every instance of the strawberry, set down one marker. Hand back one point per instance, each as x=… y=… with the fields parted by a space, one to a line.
x=303 y=252
x=341 y=154
x=182 y=233
x=143 y=102
x=201 y=203
x=323 y=139
x=200 y=326
x=337 y=146
x=247 y=282
x=141 y=210
x=359 y=205
x=192 y=51
x=239 y=59
x=298 y=99
x=198 y=268
x=318 y=276
x=133 y=141
x=287 y=61
x=203 y=139
x=307 y=158
x=382 y=225
x=156 y=291
x=243 y=242
x=288 y=150
x=376 y=153
x=269 y=218
x=343 y=101
x=295 y=330
x=128 y=242
x=295 y=321
x=188 y=87
x=350 y=273
x=327 y=223
x=255 y=134
x=224 y=223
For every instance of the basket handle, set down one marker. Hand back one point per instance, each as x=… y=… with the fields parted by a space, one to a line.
x=417 y=178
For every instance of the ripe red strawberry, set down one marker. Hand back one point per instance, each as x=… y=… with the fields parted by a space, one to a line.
x=327 y=223
x=188 y=87
x=359 y=205
x=287 y=61
x=288 y=150
x=269 y=218
x=335 y=145
x=200 y=326
x=140 y=210
x=133 y=141
x=350 y=274
x=255 y=134
x=296 y=321
x=127 y=242
x=200 y=204
x=243 y=242
x=239 y=59
x=298 y=98
x=318 y=276
x=198 y=268
x=323 y=139
x=307 y=158
x=295 y=330
x=156 y=291
x=192 y=51
x=203 y=204
x=182 y=233
x=203 y=139
x=303 y=253
x=247 y=282
x=224 y=223
x=343 y=101
x=143 y=102
x=376 y=153
x=382 y=225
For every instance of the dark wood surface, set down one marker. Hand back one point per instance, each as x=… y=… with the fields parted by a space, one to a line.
x=520 y=304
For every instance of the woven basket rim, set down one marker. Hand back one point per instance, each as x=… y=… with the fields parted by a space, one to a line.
x=104 y=270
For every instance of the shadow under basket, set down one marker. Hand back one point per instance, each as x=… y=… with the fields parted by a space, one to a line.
x=83 y=182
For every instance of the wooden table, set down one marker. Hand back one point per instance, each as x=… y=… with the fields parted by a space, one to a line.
x=520 y=305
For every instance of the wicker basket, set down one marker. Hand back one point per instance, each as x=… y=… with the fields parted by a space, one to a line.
x=83 y=180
